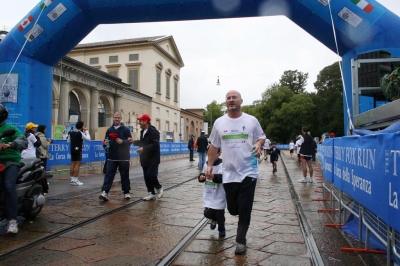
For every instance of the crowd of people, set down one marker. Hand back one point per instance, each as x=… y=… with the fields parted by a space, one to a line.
x=229 y=183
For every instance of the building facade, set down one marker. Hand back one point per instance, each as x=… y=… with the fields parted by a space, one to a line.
x=192 y=124
x=150 y=66
x=93 y=96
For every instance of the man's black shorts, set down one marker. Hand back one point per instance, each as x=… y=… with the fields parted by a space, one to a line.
x=76 y=156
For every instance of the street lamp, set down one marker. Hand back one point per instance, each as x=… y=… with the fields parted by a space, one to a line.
x=218 y=81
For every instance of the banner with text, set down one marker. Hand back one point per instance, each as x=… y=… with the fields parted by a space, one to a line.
x=367 y=168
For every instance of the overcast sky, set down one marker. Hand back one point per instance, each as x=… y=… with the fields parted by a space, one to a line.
x=248 y=54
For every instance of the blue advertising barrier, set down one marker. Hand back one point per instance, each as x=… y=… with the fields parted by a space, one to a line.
x=93 y=151
x=367 y=168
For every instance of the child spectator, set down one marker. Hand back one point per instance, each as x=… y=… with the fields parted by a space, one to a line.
x=274 y=153
x=214 y=200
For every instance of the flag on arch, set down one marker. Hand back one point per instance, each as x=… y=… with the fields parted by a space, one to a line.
x=45 y=4
x=364 y=5
x=25 y=23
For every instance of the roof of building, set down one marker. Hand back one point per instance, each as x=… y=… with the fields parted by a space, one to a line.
x=124 y=41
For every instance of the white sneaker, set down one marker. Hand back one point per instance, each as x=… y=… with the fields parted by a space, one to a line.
x=310 y=180
x=79 y=183
x=160 y=192
x=150 y=197
x=12 y=227
x=127 y=196
x=103 y=196
x=304 y=180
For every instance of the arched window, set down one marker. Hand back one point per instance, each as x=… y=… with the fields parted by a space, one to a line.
x=159 y=68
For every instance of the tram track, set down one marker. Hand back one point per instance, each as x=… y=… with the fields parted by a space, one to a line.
x=66 y=197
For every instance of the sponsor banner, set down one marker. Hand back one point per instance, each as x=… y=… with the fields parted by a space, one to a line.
x=367 y=169
x=93 y=151
x=327 y=165
x=350 y=17
x=34 y=32
x=56 y=12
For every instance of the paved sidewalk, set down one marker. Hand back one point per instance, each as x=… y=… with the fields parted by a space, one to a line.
x=145 y=233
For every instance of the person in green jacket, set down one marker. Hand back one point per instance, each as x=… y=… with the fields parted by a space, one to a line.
x=10 y=157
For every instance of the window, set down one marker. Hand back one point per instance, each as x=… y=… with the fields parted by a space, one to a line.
x=134 y=57
x=167 y=126
x=113 y=72
x=168 y=87
x=176 y=127
x=158 y=124
x=133 y=79
x=94 y=61
x=158 y=110
x=159 y=68
x=113 y=59
x=167 y=113
x=175 y=91
x=158 y=82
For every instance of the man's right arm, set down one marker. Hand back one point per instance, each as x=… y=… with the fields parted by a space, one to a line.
x=20 y=143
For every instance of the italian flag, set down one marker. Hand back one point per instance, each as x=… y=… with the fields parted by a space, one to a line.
x=25 y=23
x=364 y=5
x=45 y=4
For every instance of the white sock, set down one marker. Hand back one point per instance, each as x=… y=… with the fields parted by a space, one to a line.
x=73 y=179
x=76 y=179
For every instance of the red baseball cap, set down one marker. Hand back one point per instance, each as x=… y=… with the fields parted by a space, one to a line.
x=144 y=117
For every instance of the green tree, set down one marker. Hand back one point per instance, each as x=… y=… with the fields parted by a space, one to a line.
x=329 y=101
x=295 y=80
x=213 y=111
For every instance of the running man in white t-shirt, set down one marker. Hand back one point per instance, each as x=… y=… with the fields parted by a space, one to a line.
x=238 y=135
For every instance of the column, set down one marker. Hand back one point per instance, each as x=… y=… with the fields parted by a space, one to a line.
x=117 y=103
x=63 y=102
x=94 y=112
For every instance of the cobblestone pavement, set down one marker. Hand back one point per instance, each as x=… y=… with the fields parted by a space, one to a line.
x=146 y=232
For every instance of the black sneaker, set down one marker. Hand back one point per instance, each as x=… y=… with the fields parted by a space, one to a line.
x=240 y=249
x=221 y=233
x=213 y=224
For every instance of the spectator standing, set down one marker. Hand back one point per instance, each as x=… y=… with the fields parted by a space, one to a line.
x=75 y=139
x=274 y=153
x=291 y=147
x=33 y=142
x=10 y=156
x=202 y=144
x=267 y=146
x=149 y=151
x=118 y=137
x=238 y=135
x=44 y=148
x=214 y=201
x=306 y=151
x=191 y=147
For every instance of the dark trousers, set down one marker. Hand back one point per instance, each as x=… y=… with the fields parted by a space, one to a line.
x=110 y=174
x=239 y=198
x=191 y=154
x=216 y=215
x=8 y=185
x=150 y=174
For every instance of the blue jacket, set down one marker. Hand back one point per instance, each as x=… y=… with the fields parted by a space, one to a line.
x=119 y=152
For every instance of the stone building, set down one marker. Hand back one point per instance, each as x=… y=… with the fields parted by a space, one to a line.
x=150 y=66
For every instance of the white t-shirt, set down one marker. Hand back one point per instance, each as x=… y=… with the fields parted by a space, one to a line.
x=298 y=144
x=214 y=193
x=291 y=145
x=235 y=137
x=267 y=143
x=30 y=152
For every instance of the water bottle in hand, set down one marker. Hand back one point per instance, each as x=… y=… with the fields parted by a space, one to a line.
x=254 y=160
x=108 y=144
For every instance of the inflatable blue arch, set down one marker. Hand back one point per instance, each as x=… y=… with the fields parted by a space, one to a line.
x=53 y=27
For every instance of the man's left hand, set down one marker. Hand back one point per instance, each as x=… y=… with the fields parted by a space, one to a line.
x=119 y=141
x=4 y=146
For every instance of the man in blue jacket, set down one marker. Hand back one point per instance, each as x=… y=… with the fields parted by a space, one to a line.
x=149 y=151
x=117 y=140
